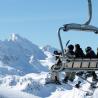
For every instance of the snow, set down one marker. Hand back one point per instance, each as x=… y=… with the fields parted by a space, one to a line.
x=24 y=68
x=34 y=85
x=17 y=52
x=13 y=37
x=48 y=48
x=49 y=61
x=10 y=93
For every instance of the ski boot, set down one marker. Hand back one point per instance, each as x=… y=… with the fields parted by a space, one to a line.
x=95 y=78
x=65 y=80
x=78 y=84
x=57 y=82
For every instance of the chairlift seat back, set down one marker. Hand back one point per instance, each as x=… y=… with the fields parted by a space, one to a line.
x=81 y=64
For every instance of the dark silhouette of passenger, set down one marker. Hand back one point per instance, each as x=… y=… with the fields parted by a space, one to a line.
x=79 y=52
x=91 y=54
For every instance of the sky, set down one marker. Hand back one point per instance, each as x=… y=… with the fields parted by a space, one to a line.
x=39 y=21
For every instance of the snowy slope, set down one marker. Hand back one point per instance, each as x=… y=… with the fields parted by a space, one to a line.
x=49 y=52
x=7 y=93
x=33 y=84
x=48 y=48
x=24 y=68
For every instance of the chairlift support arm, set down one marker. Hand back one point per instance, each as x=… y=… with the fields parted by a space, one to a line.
x=89 y=12
x=78 y=27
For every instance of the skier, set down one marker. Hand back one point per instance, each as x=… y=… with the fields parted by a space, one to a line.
x=55 y=75
x=57 y=57
x=79 y=52
x=69 y=54
x=91 y=54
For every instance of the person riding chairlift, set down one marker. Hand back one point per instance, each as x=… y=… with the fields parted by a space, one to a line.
x=79 y=54
x=91 y=54
x=57 y=57
x=69 y=54
x=55 y=75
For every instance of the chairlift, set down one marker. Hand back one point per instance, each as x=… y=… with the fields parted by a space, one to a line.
x=77 y=64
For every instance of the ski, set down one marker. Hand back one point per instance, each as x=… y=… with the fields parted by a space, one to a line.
x=88 y=92
x=93 y=83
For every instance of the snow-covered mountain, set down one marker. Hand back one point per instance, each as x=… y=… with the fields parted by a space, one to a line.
x=24 y=70
x=20 y=55
x=48 y=48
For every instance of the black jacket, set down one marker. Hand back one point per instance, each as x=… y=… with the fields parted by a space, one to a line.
x=91 y=54
x=79 y=53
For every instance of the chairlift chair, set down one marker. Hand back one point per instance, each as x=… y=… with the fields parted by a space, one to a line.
x=77 y=64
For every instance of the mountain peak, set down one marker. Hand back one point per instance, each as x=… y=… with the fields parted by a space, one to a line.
x=14 y=37
x=49 y=48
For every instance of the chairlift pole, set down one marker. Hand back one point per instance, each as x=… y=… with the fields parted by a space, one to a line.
x=60 y=40
x=89 y=12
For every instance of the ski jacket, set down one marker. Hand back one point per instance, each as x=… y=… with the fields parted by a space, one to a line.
x=91 y=54
x=79 y=53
